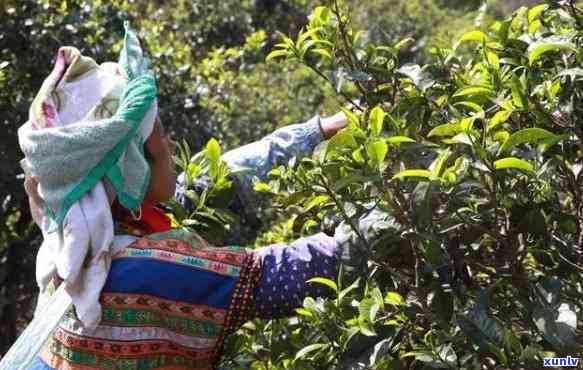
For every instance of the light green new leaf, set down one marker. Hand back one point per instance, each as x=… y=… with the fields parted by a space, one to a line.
x=262 y=187
x=213 y=154
x=401 y=44
x=329 y=283
x=513 y=163
x=473 y=106
x=528 y=135
x=519 y=95
x=425 y=174
x=536 y=11
x=213 y=150
x=500 y=117
x=437 y=165
x=494 y=60
x=478 y=36
x=447 y=129
x=536 y=50
x=276 y=54
x=377 y=116
x=394 y=298
x=352 y=118
x=399 y=140
x=377 y=150
x=323 y=52
x=304 y=312
x=501 y=136
x=316 y=201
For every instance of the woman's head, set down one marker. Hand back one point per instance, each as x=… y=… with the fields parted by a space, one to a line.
x=159 y=149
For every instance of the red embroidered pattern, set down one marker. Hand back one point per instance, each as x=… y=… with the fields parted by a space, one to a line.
x=218 y=254
x=148 y=302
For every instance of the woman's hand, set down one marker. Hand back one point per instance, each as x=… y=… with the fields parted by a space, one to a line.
x=331 y=125
x=35 y=201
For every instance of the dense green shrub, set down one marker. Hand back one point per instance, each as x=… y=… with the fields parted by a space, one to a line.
x=477 y=156
x=463 y=250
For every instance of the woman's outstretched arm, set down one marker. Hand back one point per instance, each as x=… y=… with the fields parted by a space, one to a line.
x=252 y=162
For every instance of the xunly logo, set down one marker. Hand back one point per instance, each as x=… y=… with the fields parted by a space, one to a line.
x=561 y=361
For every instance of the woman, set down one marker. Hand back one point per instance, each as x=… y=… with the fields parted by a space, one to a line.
x=146 y=296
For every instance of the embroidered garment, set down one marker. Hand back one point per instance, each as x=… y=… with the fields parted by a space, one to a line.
x=168 y=303
x=170 y=300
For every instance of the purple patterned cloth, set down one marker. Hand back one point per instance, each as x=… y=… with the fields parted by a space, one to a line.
x=286 y=268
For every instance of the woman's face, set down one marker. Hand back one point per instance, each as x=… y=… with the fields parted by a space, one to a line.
x=160 y=149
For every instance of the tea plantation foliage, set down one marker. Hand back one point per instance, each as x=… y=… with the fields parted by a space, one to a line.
x=466 y=126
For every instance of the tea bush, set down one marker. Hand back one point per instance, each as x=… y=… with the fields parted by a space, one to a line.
x=477 y=156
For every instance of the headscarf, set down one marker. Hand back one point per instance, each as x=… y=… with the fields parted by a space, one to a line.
x=84 y=144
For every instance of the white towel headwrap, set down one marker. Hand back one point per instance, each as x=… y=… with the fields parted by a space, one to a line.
x=84 y=144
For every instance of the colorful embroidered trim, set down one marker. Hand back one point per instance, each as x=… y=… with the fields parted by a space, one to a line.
x=201 y=263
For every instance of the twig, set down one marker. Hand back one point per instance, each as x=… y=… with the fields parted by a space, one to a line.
x=340 y=206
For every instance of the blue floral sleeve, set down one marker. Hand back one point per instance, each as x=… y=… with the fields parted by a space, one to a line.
x=285 y=270
x=252 y=162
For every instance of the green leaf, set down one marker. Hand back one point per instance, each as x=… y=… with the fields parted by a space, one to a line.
x=323 y=52
x=461 y=138
x=349 y=289
x=276 y=54
x=262 y=187
x=367 y=309
x=536 y=11
x=501 y=136
x=447 y=129
x=377 y=295
x=352 y=118
x=473 y=106
x=481 y=328
x=528 y=135
x=317 y=201
x=304 y=312
x=343 y=139
x=213 y=150
x=309 y=349
x=513 y=163
x=537 y=49
x=394 y=299
x=329 y=283
x=377 y=116
x=425 y=174
x=519 y=94
x=439 y=162
x=473 y=90
x=493 y=59
x=401 y=44
x=422 y=356
x=478 y=36
x=399 y=140
x=499 y=118
x=213 y=154
x=377 y=150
